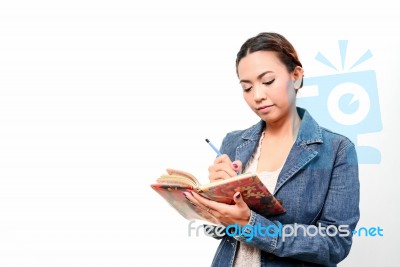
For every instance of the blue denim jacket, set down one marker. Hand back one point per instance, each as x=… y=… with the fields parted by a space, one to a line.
x=318 y=185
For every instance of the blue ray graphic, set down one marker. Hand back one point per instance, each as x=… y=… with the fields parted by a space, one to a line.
x=367 y=55
x=343 y=50
x=321 y=58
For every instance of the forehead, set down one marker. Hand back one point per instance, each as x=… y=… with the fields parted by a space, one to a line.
x=258 y=62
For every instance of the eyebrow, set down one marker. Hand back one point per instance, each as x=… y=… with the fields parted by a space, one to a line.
x=258 y=77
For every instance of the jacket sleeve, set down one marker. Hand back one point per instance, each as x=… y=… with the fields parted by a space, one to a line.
x=328 y=241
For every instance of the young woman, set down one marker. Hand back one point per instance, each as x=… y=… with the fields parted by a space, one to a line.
x=312 y=170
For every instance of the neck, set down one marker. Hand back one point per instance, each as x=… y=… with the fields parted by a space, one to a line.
x=287 y=126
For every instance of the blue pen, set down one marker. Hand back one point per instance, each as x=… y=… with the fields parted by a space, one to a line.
x=214 y=148
x=216 y=151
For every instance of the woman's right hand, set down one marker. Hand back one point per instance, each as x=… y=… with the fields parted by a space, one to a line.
x=224 y=168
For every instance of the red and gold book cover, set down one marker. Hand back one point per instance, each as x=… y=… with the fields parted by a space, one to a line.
x=254 y=193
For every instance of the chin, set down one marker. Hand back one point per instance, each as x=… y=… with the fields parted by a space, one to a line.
x=269 y=118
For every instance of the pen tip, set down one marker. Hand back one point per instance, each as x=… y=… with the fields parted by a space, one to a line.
x=207 y=140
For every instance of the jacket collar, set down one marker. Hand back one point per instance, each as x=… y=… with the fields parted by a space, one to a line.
x=310 y=132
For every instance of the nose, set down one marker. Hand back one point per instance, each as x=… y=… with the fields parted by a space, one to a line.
x=259 y=93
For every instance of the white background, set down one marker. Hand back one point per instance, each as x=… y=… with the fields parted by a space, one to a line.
x=97 y=98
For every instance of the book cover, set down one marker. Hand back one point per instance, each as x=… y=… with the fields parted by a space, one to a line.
x=173 y=194
x=254 y=192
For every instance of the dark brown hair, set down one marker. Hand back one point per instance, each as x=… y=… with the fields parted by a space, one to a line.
x=270 y=41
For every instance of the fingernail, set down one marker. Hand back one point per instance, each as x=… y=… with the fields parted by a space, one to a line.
x=235 y=165
x=237 y=195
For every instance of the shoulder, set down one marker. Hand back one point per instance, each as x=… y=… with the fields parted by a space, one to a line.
x=235 y=138
x=311 y=132
x=236 y=134
x=251 y=133
x=231 y=140
x=336 y=139
x=340 y=147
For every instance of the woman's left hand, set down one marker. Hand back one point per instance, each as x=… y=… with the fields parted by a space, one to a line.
x=226 y=214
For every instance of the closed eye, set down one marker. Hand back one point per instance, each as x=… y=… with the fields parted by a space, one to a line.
x=246 y=90
x=270 y=82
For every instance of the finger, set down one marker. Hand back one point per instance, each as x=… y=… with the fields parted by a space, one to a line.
x=196 y=202
x=222 y=159
x=228 y=170
x=213 y=171
x=219 y=175
x=221 y=171
x=224 y=167
x=237 y=166
x=237 y=197
x=213 y=205
x=245 y=211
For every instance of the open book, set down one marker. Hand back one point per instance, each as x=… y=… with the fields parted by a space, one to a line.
x=172 y=185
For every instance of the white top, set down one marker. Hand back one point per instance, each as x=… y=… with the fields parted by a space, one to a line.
x=248 y=255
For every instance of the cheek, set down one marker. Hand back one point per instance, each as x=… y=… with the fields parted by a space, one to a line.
x=282 y=93
x=248 y=98
x=280 y=89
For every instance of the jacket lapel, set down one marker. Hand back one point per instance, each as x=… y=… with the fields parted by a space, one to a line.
x=301 y=153
x=299 y=157
x=250 y=137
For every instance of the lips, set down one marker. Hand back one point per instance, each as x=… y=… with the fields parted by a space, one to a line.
x=264 y=107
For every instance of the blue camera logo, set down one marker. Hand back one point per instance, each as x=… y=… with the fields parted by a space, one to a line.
x=346 y=103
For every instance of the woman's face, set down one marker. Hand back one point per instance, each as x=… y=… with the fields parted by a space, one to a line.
x=267 y=85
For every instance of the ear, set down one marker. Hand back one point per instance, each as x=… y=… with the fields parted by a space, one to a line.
x=297 y=76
